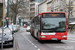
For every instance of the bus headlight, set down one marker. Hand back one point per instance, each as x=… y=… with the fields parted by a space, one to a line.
x=64 y=36
x=43 y=36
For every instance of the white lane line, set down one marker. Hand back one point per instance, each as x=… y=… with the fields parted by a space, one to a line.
x=28 y=33
x=31 y=42
x=71 y=41
x=35 y=46
x=38 y=49
x=71 y=38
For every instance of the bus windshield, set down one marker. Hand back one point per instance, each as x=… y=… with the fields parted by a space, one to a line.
x=53 y=24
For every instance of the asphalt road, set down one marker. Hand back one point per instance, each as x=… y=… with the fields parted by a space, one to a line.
x=31 y=43
x=27 y=42
x=8 y=49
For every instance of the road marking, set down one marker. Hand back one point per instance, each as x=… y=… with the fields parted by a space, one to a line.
x=71 y=41
x=35 y=46
x=71 y=38
x=68 y=41
x=38 y=49
x=31 y=42
x=27 y=33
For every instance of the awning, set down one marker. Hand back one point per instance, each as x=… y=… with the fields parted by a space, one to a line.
x=72 y=23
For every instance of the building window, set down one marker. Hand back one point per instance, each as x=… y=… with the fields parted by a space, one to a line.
x=61 y=10
x=51 y=10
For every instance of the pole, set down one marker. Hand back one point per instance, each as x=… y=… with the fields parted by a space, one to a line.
x=69 y=12
x=2 y=27
x=7 y=13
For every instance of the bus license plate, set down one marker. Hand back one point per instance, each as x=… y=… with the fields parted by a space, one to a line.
x=53 y=38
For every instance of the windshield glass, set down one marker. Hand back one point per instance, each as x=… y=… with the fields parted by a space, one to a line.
x=53 y=24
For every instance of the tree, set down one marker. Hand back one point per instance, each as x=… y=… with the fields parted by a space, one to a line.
x=17 y=7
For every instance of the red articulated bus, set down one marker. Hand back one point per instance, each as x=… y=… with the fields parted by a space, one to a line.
x=49 y=26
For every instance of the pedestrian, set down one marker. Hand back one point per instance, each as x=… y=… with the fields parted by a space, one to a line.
x=21 y=24
x=72 y=28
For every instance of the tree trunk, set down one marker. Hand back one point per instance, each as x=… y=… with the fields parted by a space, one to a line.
x=14 y=17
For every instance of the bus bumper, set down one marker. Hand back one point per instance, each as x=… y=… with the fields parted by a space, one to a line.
x=53 y=38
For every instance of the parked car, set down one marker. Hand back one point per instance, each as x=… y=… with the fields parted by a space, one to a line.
x=28 y=28
x=11 y=28
x=24 y=26
x=14 y=28
x=7 y=37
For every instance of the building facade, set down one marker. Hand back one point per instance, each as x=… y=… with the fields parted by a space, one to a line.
x=58 y=6
x=49 y=6
x=43 y=7
x=38 y=1
x=34 y=7
x=62 y=6
x=72 y=8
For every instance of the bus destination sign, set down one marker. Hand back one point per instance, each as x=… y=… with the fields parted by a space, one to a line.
x=54 y=15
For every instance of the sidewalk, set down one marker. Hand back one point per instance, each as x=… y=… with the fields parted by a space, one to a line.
x=70 y=29
x=71 y=32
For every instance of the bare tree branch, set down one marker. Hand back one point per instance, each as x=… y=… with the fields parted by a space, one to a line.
x=18 y=7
